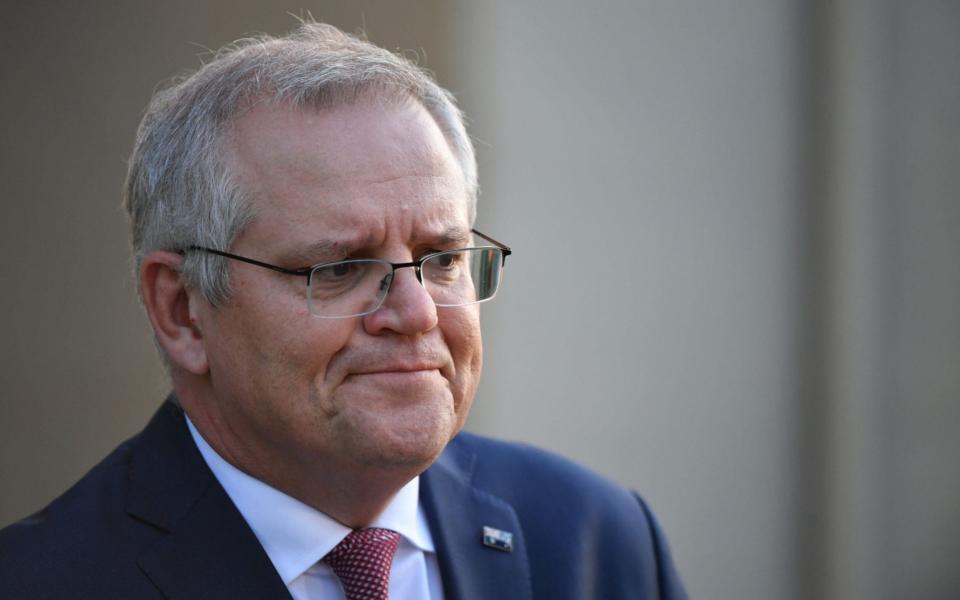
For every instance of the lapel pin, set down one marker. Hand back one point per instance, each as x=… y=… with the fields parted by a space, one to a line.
x=497 y=539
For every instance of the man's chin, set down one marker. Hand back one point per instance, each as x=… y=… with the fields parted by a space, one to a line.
x=408 y=445
x=404 y=426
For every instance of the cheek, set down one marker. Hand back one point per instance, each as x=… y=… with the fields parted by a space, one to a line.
x=311 y=347
x=288 y=350
x=462 y=332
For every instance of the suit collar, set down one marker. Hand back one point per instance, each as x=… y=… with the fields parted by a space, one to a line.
x=457 y=512
x=207 y=549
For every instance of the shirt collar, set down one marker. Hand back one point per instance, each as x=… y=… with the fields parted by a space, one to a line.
x=295 y=536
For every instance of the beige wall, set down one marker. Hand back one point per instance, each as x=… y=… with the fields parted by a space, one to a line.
x=734 y=286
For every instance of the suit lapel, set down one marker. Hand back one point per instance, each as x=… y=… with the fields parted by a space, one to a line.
x=457 y=513
x=208 y=550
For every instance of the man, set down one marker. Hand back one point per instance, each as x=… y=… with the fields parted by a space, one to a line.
x=302 y=214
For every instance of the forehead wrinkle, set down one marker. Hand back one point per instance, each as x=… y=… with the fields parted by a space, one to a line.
x=323 y=250
x=436 y=175
x=326 y=249
x=453 y=234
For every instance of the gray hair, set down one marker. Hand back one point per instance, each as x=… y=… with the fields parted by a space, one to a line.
x=179 y=191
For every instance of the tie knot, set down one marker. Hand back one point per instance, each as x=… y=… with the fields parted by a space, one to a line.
x=362 y=562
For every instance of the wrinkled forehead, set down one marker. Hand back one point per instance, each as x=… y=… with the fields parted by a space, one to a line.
x=348 y=165
x=275 y=143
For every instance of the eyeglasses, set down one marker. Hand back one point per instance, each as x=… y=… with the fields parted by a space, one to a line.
x=357 y=287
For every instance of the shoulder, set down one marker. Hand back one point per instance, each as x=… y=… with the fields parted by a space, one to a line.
x=604 y=535
x=90 y=499
x=526 y=474
x=80 y=541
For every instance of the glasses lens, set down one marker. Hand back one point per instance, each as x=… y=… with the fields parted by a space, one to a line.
x=348 y=288
x=462 y=277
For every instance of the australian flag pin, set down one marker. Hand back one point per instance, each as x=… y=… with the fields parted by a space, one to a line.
x=497 y=539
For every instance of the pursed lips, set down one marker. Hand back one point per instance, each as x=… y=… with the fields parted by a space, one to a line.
x=408 y=363
x=399 y=368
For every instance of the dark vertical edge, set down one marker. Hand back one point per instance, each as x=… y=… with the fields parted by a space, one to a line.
x=812 y=197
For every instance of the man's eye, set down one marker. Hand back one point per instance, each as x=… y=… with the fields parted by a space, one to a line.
x=446 y=260
x=338 y=272
x=341 y=270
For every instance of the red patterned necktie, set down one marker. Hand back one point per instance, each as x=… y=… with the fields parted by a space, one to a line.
x=362 y=562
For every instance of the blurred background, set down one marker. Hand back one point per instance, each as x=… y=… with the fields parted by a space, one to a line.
x=737 y=271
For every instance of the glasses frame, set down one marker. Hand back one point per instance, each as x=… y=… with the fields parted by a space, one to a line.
x=416 y=265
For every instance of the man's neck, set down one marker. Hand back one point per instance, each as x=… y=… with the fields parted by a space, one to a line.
x=353 y=494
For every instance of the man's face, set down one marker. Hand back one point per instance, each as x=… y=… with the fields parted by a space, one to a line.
x=386 y=390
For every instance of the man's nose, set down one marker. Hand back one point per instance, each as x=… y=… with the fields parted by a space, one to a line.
x=407 y=309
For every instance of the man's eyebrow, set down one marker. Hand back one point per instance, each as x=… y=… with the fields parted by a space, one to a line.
x=316 y=252
x=330 y=250
x=452 y=236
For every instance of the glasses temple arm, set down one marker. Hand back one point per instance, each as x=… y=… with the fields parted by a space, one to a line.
x=506 y=249
x=304 y=272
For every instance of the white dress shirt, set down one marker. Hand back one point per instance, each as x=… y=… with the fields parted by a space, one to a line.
x=296 y=536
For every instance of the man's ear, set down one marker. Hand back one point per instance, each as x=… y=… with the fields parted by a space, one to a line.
x=168 y=304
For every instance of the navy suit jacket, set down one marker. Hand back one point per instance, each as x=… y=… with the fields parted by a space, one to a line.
x=151 y=521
